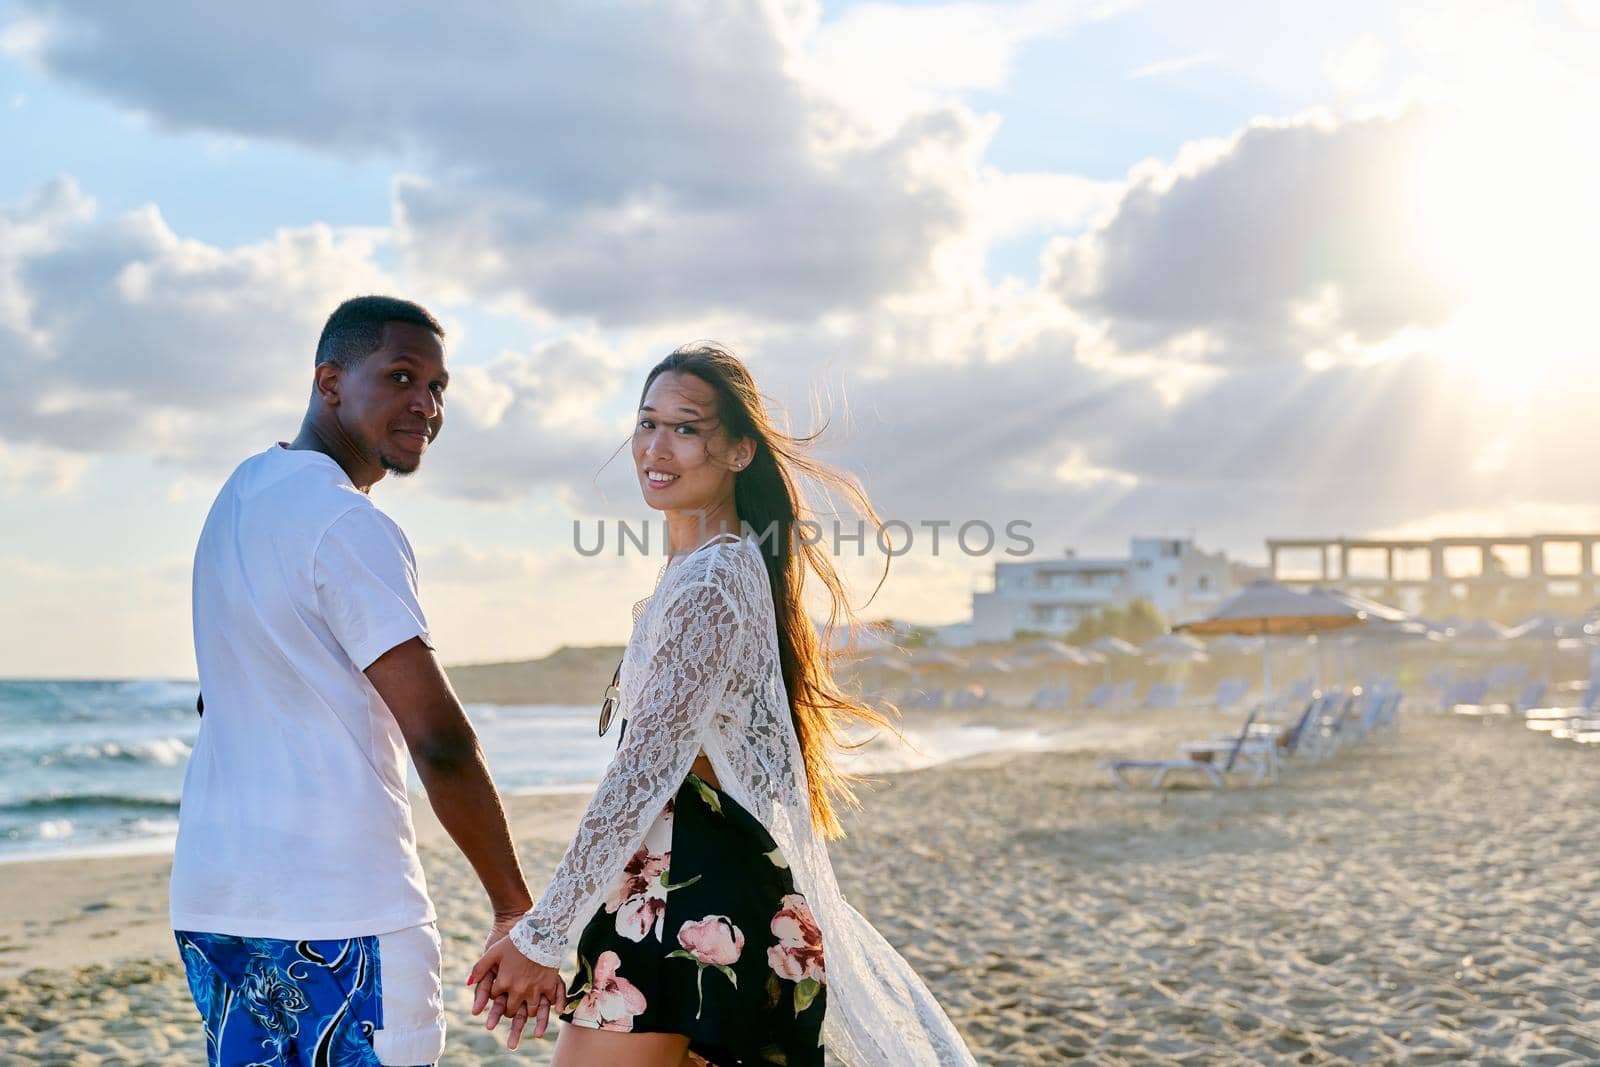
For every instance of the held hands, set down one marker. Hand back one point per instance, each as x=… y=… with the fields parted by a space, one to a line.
x=516 y=986
x=504 y=920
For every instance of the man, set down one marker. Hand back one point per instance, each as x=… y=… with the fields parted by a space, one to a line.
x=298 y=902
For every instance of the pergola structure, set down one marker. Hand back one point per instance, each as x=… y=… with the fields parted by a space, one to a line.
x=1552 y=565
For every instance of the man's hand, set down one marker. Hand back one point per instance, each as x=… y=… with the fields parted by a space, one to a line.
x=497 y=1007
x=528 y=987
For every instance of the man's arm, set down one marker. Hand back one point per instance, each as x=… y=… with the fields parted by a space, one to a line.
x=450 y=763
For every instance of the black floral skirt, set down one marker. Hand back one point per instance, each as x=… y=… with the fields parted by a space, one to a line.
x=704 y=935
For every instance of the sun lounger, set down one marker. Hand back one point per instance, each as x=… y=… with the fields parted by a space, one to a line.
x=1531 y=696
x=1585 y=730
x=1163 y=695
x=1231 y=691
x=1388 y=710
x=1507 y=674
x=969 y=698
x=1051 y=698
x=1328 y=730
x=1465 y=692
x=1211 y=769
x=1547 y=719
x=1266 y=745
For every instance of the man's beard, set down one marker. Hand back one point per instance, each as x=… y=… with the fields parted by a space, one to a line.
x=390 y=464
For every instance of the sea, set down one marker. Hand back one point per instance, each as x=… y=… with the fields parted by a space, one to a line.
x=96 y=767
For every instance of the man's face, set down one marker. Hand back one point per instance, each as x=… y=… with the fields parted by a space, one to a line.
x=391 y=404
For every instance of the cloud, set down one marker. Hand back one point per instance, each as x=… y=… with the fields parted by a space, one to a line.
x=1013 y=204
x=1357 y=65
x=565 y=155
x=532 y=419
x=1163 y=67
x=120 y=335
x=33 y=469
x=888 y=62
x=1291 y=237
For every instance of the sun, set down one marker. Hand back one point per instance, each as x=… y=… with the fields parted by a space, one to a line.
x=1503 y=198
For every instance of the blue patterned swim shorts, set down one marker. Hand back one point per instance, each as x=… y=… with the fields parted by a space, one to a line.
x=272 y=1003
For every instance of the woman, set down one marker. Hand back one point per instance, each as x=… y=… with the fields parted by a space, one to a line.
x=712 y=929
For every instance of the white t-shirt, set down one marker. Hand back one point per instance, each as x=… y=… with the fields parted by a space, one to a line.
x=295 y=821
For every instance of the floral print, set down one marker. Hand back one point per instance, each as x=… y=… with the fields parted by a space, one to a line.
x=272 y=999
x=798 y=953
x=609 y=1001
x=713 y=940
x=709 y=877
x=639 y=899
x=797 y=957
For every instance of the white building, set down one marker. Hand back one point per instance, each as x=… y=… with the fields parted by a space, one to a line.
x=1051 y=595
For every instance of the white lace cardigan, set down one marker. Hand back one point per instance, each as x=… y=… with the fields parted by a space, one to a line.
x=701 y=672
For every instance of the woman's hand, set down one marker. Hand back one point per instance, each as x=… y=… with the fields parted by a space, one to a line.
x=519 y=987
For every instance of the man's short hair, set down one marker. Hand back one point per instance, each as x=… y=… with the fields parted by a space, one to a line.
x=355 y=329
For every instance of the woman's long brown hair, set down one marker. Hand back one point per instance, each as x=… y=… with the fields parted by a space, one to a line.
x=769 y=502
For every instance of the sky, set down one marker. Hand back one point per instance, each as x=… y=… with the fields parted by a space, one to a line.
x=1223 y=270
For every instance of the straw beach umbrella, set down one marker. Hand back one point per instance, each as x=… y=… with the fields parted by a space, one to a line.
x=1266 y=609
x=1111 y=647
x=1376 y=615
x=1174 y=650
x=1235 y=645
x=1043 y=652
x=939 y=660
x=1542 y=627
x=895 y=663
x=1175 y=645
x=1482 y=632
x=1547 y=633
x=1370 y=609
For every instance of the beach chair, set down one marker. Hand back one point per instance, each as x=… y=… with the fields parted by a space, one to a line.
x=969 y=698
x=1507 y=674
x=1162 y=696
x=1302 y=736
x=1545 y=720
x=1230 y=691
x=1465 y=691
x=1549 y=719
x=1531 y=696
x=1389 y=713
x=1584 y=731
x=1270 y=743
x=1329 y=727
x=1051 y=698
x=1212 y=769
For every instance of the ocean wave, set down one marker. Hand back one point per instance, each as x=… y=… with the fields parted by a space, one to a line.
x=54 y=829
x=68 y=802
x=163 y=751
x=94 y=701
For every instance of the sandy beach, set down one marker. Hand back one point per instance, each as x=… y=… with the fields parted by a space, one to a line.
x=1428 y=896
